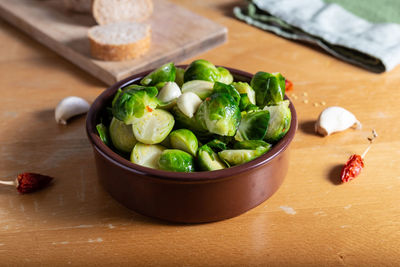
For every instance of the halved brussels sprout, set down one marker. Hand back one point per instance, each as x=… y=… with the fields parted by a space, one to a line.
x=253 y=126
x=252 y=144
x=227 y=89
x=201 y=70
x=147 y=155
x=201 y=88
x=216 y=145
x=153 y=127
x=269 y=88
x=132 y=103
x=188 y=103
x=240 y=156
x=179 y=76
x=245 y=104
x=165 y=73
x=244 y=88
x=183 y=121
x=122 y=135
x=103 y=133
x=220 y=114
x=226 y=76
x=185 y=140
x=279 y=122
x=176 y=160
x=170 y=91
x=208 y=160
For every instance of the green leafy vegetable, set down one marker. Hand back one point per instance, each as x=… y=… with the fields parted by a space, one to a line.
x=225 y=75
x=219 y=114
x=179 y=76
x=216 y=145
x=176 y=160
x=132 y=103
x=279 y=123
x=253 y=126
x=103 y=133
x=245 y=104
x=252 y=144
x=227 y=89
x=202 y=70
x=269 y=88
x=153 y=127
x=185 y=140
x=240 y=156
x=146 y=155
x=208 y=160
x=165 y=73
x=122 y=135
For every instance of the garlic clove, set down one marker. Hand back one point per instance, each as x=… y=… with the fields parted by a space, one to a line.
x=69 y=107
x=335 y=119
x=188 y=103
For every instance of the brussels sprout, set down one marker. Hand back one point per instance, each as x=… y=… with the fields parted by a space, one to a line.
x=269 y=88
x=132 y=103
x=201 y=70
x=219 y=114
x=179 y=76
x=168 y=95
x=253 y=126
x=240 y=156
x=103 y=133
x=165 y=73
x=252 y=144
x=185 y=140
x=183 y=121
x=226 y=76
x=153 y=127
x=122 y=135
x=176 y=160
x=245 y=104
x=201 y=88
x=244 y=88
x=216 y=145
x=279 y=122
x=188 y=103
x=227 y=89
x=147 y=155
x=208 y=160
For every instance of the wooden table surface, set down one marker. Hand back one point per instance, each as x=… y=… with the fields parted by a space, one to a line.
x=312 y=219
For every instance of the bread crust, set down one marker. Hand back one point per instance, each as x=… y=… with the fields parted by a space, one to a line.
x=106 y=17
x=120 y=52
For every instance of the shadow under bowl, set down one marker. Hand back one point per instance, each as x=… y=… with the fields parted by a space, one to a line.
x=197 y=197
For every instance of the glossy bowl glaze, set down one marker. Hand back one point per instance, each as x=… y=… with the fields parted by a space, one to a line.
x=187 y=197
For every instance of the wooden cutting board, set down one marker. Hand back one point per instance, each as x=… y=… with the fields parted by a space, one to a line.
x=177 y=34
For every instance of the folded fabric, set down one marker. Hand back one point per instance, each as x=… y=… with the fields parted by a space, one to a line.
x=371 y=45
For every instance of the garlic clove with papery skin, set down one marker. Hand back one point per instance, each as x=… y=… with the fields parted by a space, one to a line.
x=70 y=107
x=335 y=119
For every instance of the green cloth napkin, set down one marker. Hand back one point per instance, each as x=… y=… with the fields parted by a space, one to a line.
x=363 y=33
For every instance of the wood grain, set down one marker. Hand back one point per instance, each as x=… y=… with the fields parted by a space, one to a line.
x=177 y=34
x=311 y=220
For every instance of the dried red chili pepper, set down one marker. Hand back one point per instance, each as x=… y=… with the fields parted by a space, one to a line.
x=149 y=109
x=355 y=164
x=288 y=85
x=29 y=182
x=352 y=168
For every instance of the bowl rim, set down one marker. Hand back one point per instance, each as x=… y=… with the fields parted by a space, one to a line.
x=106 y=96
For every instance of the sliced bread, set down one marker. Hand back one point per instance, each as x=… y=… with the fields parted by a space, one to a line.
x=82 y=6
x=119 y=41
x=110 y=11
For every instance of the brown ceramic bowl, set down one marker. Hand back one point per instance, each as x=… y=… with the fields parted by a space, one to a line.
x=188 y=197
